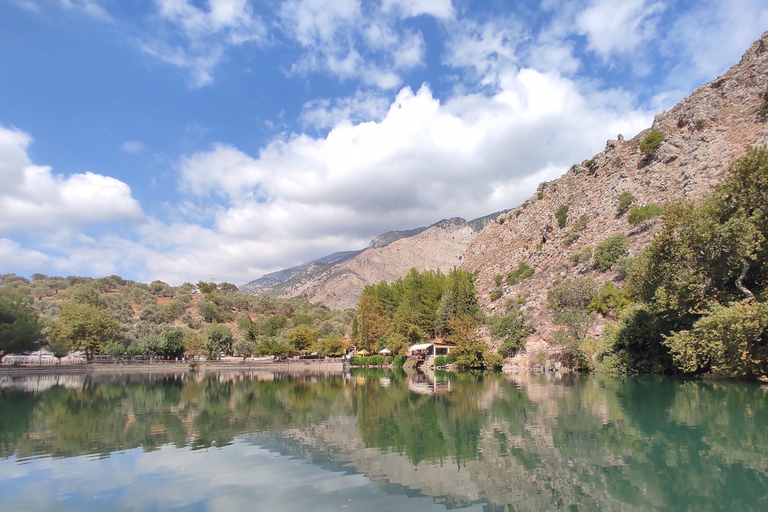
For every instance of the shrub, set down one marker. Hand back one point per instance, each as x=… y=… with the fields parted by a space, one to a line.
x=522 y=272
x=610 y=299
x=493 y=360
x=442 y=361
x=562 y=215
x=610 y=250
x=498 y=278
x=589 y=163
x=622 y=267
x=496 y=294
x=513 y=330
x=651 y=142
x=572 y=294
x=626 y=199
x=570 y=299
x=582 y=256
x=642 y=214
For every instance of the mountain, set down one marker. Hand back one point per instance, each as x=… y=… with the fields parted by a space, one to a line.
x=338 y=280
x=703 y=134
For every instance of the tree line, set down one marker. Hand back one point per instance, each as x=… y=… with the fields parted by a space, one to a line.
x=114 y=316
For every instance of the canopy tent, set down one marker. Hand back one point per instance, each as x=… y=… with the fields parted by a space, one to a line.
x=385 y=351
x=362 y=352
x=420 y=346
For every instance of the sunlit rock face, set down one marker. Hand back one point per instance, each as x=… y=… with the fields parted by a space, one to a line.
x=703 y=134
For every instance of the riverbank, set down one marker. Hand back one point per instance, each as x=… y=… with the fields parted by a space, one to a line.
x=319 y=365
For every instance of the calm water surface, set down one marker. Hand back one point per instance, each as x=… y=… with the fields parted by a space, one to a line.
x=371 y=441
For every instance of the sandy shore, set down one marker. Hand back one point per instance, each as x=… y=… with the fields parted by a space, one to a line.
x=172 y=367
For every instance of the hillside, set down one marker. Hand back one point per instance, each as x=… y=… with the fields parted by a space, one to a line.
x=702 y=136
x=338 y=282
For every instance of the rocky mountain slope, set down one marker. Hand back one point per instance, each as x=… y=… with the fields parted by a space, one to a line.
x=338 y=280
x=702 y=135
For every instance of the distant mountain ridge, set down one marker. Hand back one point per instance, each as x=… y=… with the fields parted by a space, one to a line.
x=338 y=279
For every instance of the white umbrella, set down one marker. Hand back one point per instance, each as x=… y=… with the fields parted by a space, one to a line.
x=385 y=351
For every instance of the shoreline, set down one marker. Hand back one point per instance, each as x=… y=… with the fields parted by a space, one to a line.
x=169 y=367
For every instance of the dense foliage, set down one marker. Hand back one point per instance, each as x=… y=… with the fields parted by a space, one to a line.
x=702 y=283
x=114 y=316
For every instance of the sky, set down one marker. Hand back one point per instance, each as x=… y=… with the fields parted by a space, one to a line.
x=191 y=140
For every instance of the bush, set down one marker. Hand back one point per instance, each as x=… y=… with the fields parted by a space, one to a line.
x=610 y=250
x=622 y=267
x=626 y=199
x=562 y=215
x=496 y=294
x=572 y=294
x=493 y=360
x=376 y=360
x=582 y=256
x=498 y=278
x=641 y=214
x=399 y=361
x=441 y=361
x=513 y=330
x=651 y=142
x=522 y=272
x=610 y=299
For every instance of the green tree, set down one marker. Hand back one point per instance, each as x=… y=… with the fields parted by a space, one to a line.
x=20 y=330
x=59 y=348
x=470 y=351
x=302 y=337
x=696 y=273
x=86 y=327
x=218 y=339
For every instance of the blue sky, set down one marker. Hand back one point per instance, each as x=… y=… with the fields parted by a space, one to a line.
x=184 y=140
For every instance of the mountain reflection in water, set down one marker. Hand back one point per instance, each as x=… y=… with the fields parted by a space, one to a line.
x=444 y=440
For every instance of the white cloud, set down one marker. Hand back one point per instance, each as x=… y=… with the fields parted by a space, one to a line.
x=14 y=255
x=132 y=146
x=326 y=113
x=618 y=27
x=353 y=41
x=206 y=34
x=700 y=55
x=34 y=199
x=488 y=48
x=92 y=8
x=301 y=197
x=408 y=8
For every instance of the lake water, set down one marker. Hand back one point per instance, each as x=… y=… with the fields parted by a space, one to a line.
x=381 y=441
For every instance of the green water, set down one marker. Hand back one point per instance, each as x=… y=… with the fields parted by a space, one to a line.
x=374 y=441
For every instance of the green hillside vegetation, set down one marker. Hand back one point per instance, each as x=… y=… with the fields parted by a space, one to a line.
x=114 y=316
x=694 y=300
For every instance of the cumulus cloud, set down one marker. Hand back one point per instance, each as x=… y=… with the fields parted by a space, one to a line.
x=326 y=113
x=301 y=197
x=34 y=199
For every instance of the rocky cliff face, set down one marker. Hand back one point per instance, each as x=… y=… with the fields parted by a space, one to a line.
x=703 y=134
x=441 y=246
x=338 y=280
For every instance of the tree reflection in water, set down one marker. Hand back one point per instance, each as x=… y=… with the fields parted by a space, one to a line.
x=530 y=442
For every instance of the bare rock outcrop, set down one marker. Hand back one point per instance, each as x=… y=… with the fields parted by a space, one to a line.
x=703 y=134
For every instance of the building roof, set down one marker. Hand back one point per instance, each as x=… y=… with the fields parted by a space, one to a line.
x=420 y=346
